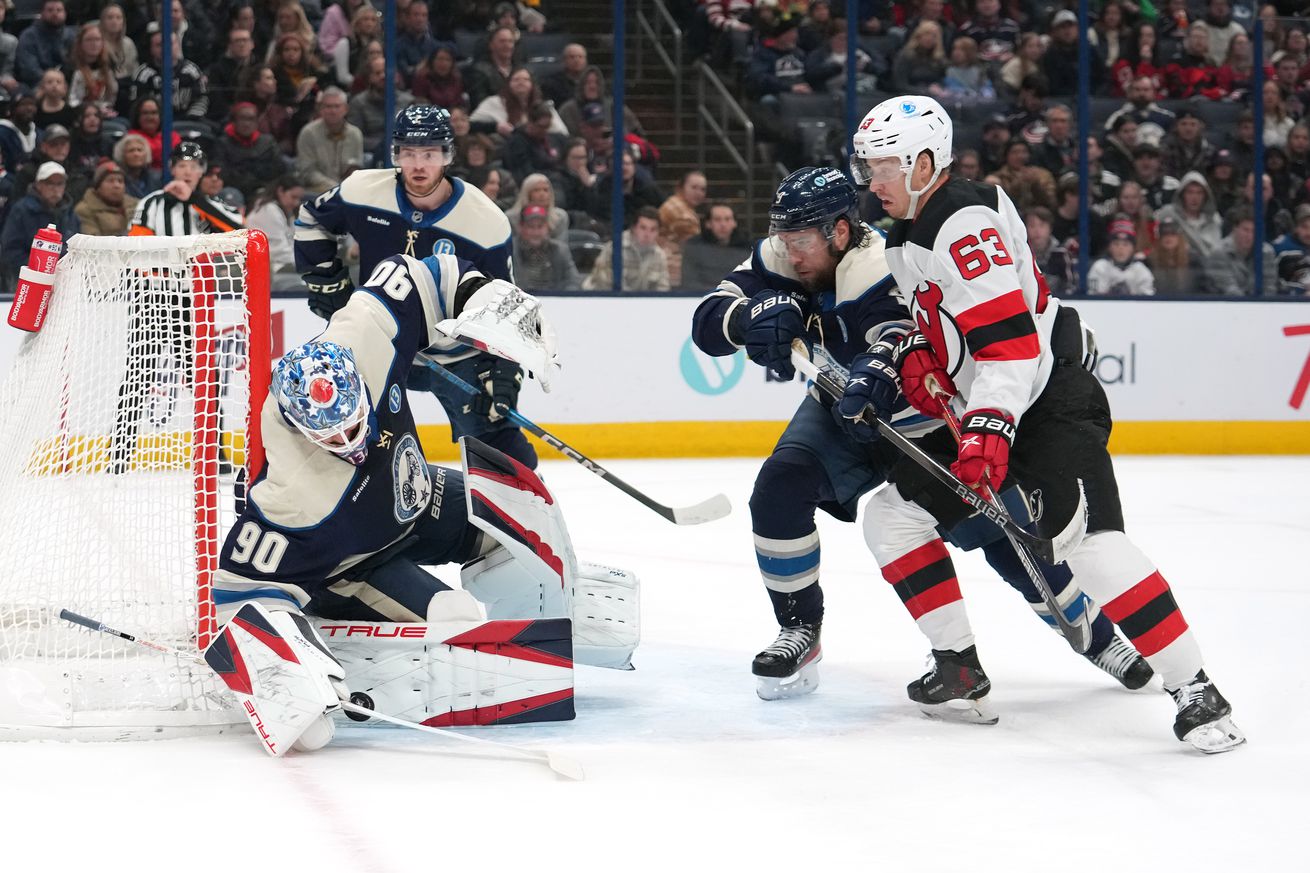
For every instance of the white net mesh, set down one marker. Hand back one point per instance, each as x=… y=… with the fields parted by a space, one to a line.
x=122 y=450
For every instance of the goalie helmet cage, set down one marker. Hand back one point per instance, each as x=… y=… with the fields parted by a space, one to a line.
x=131 y=428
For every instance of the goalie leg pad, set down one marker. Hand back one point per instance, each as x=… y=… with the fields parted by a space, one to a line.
x=458 y=671
x=606 y=616
x=286 y=680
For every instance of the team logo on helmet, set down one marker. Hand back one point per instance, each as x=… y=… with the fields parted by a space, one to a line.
x=820 y=181
x=909 y=107
x=393 y=399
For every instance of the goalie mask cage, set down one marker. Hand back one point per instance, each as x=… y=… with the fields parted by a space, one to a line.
x=127 y=439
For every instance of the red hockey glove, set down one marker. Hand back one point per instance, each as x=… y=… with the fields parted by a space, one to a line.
x=914 y=361
x=985 y=439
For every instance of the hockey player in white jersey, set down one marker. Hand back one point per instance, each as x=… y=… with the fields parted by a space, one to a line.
x=987 y=330
x=417 y=210
x=345 y=514
x=822 y=275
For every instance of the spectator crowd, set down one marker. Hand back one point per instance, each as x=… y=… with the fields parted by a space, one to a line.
x=287 y=98
x=1172 y=149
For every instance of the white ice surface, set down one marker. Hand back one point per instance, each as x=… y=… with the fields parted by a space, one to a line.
x=689 y=771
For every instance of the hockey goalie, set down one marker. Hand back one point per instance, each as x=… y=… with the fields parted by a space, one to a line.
x=322 y=580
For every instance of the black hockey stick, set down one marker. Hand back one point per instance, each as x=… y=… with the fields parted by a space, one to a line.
x=712 y=509
x=1048 y=551
x=561 y=764
x=1077 y=634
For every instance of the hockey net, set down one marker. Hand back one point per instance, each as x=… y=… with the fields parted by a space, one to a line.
x=125 y=442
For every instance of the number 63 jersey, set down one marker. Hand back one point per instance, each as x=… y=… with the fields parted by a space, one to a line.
x=310 y=515
x=964 y=270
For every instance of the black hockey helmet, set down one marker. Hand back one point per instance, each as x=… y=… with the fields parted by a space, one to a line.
x=815 y=197
x=424 y=126
x=187 y=150
x=1293 y=274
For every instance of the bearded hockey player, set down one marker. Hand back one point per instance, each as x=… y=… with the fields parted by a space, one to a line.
x=822 y=275
x=345 y=514
x=415 y=209
x=987 y=330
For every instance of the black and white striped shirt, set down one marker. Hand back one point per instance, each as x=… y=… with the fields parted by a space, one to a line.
x=161 y=214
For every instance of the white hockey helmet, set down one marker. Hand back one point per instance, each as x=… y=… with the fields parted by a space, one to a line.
x=903 y=128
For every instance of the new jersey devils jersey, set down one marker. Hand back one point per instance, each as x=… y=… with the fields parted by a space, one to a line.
x=964 y=270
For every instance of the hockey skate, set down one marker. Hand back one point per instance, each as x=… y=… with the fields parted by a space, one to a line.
x=955 y=689
x=789 y=667
x=1204 y=717
x=1124 y=663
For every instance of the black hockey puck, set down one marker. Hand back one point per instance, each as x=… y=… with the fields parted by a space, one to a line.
x=359 y=698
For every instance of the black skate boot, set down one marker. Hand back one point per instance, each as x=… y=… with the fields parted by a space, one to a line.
x=1124 y=663
x=1204 y=717
x=789 y=667
x=955 y=688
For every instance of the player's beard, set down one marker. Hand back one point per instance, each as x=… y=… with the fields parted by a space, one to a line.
x=821 y=280
x=421 y=194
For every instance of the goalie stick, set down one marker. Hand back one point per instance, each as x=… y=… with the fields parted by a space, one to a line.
x=561 y=764
x=712 y=509
x=1049 y=551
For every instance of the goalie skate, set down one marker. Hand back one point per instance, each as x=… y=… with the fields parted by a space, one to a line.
x=789 y=667
x=954 y=689
x=1204 y=717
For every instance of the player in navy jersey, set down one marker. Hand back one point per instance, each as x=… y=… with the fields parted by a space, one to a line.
x=417 y=210
x=822 y=275
x=988 y=331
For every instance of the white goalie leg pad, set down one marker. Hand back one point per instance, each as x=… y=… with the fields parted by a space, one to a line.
x=606 y=616
x=458 y=670
x=509 y=503
x=286 y=679
x=604 y=605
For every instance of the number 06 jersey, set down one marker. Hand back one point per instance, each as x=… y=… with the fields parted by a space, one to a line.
x=965 y=272
x=311 y=515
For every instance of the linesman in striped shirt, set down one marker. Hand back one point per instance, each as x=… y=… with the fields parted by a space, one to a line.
x=180 y=208
x=160 y=336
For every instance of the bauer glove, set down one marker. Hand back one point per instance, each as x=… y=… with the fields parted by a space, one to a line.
x=873 y=385
x=915 y=361
x=767 y=325
x=985 y=439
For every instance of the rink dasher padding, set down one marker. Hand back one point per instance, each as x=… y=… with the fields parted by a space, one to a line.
x=1183 y=377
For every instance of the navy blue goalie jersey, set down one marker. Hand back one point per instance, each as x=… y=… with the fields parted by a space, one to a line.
x=310 y=515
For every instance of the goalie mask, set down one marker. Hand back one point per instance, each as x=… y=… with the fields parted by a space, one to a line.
x=321 y=393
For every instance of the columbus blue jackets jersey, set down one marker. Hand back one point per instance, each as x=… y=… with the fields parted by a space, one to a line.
x=371 y=206
x=310 y=515
x=842 y=322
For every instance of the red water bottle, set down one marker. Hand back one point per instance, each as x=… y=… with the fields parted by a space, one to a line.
x=36 y=280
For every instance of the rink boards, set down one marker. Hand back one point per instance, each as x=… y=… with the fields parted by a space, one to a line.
x=1212 y=377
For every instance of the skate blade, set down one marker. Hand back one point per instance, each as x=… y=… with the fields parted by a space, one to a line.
x=964 y=711
x=803 y=681
x=1218 y=736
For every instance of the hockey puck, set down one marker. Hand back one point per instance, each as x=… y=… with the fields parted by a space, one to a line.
x=359 y=698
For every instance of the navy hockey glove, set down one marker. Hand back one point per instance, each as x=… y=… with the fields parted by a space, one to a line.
x=500 y=382
x=767 y=325
x=873 y=385
x=329 y=288
x=985 y=439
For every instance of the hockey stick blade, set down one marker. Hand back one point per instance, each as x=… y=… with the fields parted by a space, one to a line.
x=1048 y=551
x=712 y=509
x=561 y=764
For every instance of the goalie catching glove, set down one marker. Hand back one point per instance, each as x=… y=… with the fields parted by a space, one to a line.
x=497 y=317
x=288 y=684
